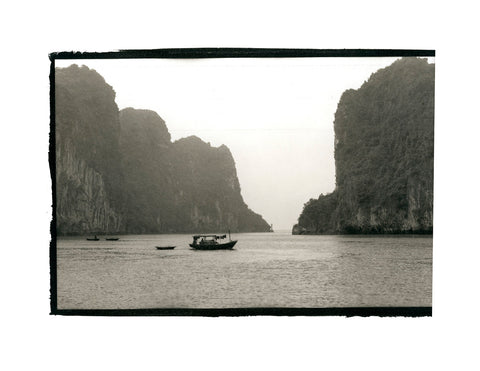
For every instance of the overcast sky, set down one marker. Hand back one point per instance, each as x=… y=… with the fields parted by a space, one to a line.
x=275 y=115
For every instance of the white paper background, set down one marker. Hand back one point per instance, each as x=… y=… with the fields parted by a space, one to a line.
x=32 y=339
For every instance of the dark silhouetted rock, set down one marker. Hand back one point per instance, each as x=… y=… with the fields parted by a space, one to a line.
x=119 y=172
x=383 y=156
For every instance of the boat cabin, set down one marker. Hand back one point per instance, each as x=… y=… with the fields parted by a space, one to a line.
x=207 y=239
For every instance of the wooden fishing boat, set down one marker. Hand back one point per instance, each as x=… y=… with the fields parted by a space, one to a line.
x=93 y=239
x=165 y=247
x=211 y=242
x=112 y=239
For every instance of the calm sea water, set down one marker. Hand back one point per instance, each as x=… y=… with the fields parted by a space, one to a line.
x=264 y=270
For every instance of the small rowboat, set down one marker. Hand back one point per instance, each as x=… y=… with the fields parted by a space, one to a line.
x=165 y=247
x=111 y=239
x=93 y=239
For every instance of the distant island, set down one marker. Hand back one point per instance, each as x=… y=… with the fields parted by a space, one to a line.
x=118 y=172
x=384 y=138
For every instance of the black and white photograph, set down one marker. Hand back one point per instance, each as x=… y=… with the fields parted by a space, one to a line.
x=220 y=185
x=255 y=185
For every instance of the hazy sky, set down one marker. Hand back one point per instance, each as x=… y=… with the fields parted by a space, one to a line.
x=275 y=115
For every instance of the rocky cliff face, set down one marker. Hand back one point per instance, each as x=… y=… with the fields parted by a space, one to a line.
x=383 y=156
x=88 y=175
x=208 y=189
x=145 y=146
x=185 y=186
x=83 y=205
x=119 y=172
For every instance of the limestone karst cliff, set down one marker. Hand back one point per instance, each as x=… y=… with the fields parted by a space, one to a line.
x=383 y=156
x=119 y=172
x=88 y=176
x=208 y=189
x=184 y=186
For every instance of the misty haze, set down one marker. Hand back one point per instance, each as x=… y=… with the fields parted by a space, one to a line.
x=308 y=180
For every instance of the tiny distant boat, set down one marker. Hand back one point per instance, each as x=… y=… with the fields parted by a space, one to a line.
x=211 y=242
x=165 y=247
x=112 y=239
x=93 y=239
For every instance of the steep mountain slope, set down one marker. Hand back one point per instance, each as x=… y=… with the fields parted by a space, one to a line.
x=88 y=175
x=119 y=172
x=383 y=156
x=208 y=189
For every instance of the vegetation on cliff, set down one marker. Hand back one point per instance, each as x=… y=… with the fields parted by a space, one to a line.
x=88 y=174
x=185 y=186
x=208 y=188
x=383 y=156
x=145 y=146
x=119 y=172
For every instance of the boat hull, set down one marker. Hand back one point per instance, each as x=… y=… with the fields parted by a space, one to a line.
x=218 y=246
x=165 y=247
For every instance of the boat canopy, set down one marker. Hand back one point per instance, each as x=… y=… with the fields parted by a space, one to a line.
x=215 y=236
